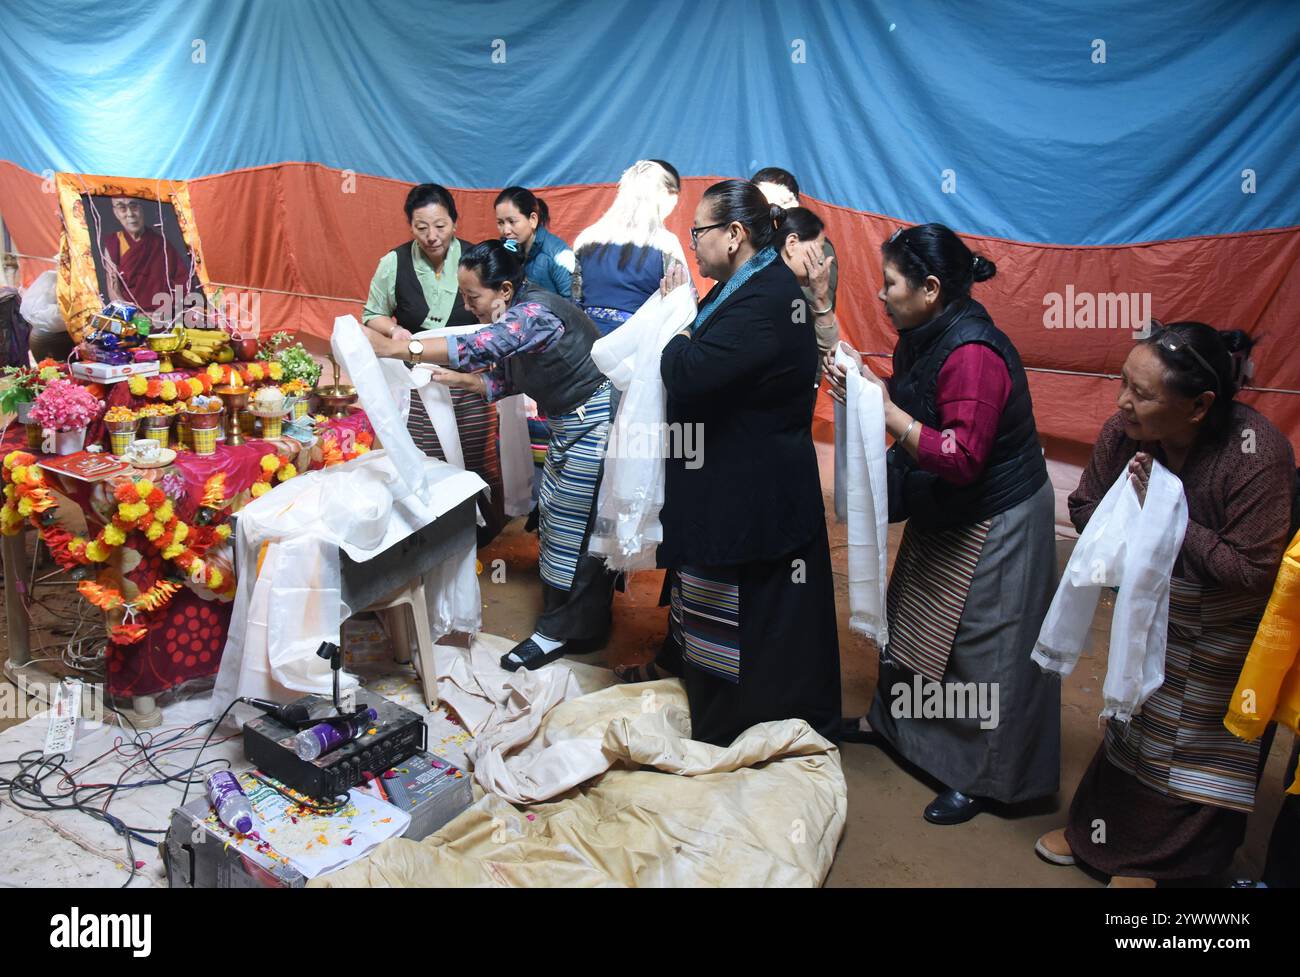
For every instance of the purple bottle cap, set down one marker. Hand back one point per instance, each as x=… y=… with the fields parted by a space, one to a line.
x=244 y=824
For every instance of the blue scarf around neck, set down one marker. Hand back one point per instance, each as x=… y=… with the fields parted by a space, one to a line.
x=744 y=273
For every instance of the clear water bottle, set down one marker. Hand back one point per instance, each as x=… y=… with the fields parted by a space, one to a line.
x=324 y=737
x=230 y=801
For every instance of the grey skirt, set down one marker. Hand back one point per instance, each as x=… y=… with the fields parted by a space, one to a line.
x=992 y=728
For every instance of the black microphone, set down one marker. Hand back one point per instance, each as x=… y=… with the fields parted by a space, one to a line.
x=291 y=714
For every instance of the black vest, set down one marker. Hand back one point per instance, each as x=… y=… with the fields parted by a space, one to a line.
x=412 y=308
x=1015 y=469
x=562 y=377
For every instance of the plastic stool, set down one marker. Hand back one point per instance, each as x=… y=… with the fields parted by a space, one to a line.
x=392 y=612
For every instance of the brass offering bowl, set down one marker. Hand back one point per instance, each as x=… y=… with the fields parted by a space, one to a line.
x=235 y=399
x=336 y=399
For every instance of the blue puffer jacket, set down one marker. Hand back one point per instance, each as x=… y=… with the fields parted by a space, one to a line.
x=550 y=264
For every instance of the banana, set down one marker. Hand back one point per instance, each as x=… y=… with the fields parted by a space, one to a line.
x=195 y=338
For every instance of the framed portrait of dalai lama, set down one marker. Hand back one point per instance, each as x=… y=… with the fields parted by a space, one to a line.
x=127 y=240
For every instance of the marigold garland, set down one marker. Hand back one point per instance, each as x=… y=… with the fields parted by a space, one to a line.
x=249 y=374
x=169 y=390
x=141 y=505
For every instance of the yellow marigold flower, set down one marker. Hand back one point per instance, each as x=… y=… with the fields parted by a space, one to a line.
x=259 y=489
x=164 y=512
x=287 y=472
x=215 y=579
x=96 y=552
x=138 y=386
x=255 y=372
x=223 y=531
x=24 y=507
x=19 y=473
x=49 y=373
x=181 y=532
x=168 y=390
x=270 y=462
x=362 y=449
x=214 y=371
x=132 y=511
x=154 y=531
x=114 y=536
x=143 y=486
x=77 y=544
x=173 y=551
x=276 y=371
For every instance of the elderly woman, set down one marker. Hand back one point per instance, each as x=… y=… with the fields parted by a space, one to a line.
x=415 y=290
x=1167 y=794
x=536 y=343
x=973 y=577
x=752 y=622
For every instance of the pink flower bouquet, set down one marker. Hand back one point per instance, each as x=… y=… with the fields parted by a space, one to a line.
x=65 y=406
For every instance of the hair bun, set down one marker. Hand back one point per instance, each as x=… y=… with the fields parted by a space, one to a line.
x=1238 y=344
x=778 y=214
x=982 y=269
x=1235 y=341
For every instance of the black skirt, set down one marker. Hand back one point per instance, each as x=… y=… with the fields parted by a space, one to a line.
x=757 y=642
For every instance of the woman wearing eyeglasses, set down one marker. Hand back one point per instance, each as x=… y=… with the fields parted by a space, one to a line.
x=752 y=620
x=1167 y=794
x=975 y=571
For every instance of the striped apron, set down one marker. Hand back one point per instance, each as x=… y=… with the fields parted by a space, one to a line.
x=1177 y=744
x=927 y=594
x=569 y=479
x=704 y=618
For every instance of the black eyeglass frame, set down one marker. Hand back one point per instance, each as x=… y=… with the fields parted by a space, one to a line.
x=697 y=231
x=1169 y=340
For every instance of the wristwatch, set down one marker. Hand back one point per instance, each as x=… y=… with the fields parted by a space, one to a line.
x=414 y=349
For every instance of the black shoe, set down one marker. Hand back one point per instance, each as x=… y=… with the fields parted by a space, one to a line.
x=952 y=807
x=531 y=525
x=530 y=656
x=851 y=732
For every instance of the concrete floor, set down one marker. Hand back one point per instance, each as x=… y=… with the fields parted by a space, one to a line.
x=886 y=842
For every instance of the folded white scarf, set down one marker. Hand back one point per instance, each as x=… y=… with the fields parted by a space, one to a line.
x=868 y=504
x=1132 y=546
x=627 y=530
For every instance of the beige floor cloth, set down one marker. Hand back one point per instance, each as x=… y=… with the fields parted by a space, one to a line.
x=661 y=810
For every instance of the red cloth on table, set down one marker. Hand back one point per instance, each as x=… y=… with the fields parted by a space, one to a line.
x=970 y=393
x=184 y=641
x=186 y=637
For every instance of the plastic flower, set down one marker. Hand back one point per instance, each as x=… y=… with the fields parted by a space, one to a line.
x=65 y=406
